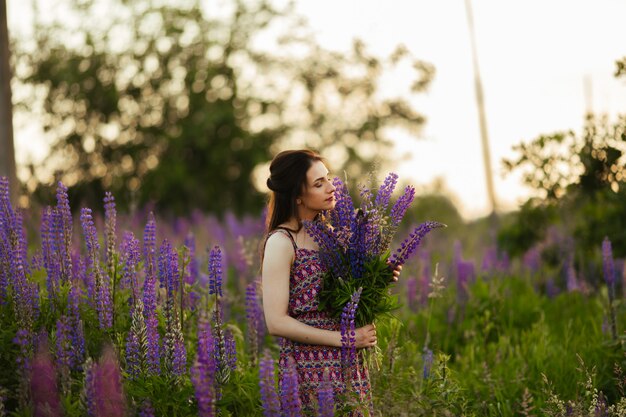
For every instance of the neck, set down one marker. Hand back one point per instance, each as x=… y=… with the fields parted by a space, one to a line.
x=306 y=214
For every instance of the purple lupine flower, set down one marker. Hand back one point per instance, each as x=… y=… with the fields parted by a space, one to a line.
x=410 y=244
x=103 y=299
x=63 y=351
x=152 y=324
x=348 y=331
x=204 y=369
x=173 y=341
x=89 y=393
x=50 y=258
x=192 y=269
x=402 y=205
x=130 y=258
x=532 y=260
x=411 y=293
x=231 y=350
x=465 y=274
x=609 y=277
x=137 y=342
x=43 y=386
x=109 y=398
x=330 y=248
x=65 y=217
x=215 y=271
x=358 y=247
x=571 y=279
x=253 y=317
x=424 y=281
x=267 y=383
x=344 y=207
x=608 y=266
x=551 y=289
x=110 y=219
x=149 y=296
x=168 y=268
x=291 y=404
x=146 y=409
x=427 y=358
x=149 y=246
x=325 y=398
x=384 y=192
x=24 y=302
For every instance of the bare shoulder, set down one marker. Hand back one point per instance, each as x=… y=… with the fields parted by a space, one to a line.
x=278 y=245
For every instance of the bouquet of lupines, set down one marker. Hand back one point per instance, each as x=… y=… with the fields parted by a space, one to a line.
x=355 y=248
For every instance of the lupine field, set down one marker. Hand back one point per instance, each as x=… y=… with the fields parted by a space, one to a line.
x=120 y=314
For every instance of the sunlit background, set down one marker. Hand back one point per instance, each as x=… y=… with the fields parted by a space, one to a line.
x=543 y=66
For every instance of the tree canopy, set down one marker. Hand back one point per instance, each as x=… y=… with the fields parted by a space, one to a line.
x=178 y=105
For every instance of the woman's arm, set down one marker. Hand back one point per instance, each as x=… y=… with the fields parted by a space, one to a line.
x=279 y=255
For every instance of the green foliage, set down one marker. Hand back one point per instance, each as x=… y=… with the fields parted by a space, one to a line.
x=180 y=100
x=522 y=229
x=376 y=299
x=583 y=179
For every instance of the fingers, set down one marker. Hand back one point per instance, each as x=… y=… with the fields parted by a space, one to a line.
x=366 y=336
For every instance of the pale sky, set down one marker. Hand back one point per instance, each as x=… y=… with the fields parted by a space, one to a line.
x=534 y=56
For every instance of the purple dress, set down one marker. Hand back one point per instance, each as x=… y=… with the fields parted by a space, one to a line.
x=316 y=363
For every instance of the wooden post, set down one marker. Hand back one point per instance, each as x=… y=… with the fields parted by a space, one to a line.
x=482 y=118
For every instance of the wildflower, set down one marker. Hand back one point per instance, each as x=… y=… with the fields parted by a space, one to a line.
x=149 y=297
x=411 y=293
x=77 y=336
x=102 y=289
x=254 y=317
x=110 y=216
x=174 y=343
x=402 y=205
x=348 y=334
x=146 y=409
x=608 y=266
x=64 y=350
x=215 y=271
x=203 y=371
x=410 y=244
x=325 y=398
x=427 y=358
x=130 y=259
x=108 y=396
x=65 y=239
x=43 y=386
x=290 y=398
x=137 y=342
x=386 y=189
x=267 y=383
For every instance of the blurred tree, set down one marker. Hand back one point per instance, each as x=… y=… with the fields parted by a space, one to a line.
x=7 y=153
x=170 y=103
x=584 y=177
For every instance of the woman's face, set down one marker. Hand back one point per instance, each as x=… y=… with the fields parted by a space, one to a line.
x=319 y=192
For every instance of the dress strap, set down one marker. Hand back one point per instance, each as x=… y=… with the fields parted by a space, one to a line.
x=288 y=234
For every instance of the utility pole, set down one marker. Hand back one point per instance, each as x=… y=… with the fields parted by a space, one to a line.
x=481 y=113
x=7 y=150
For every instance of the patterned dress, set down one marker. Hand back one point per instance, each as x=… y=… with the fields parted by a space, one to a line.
x=318 y=365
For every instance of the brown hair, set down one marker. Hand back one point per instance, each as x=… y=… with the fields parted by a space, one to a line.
x=286 y=181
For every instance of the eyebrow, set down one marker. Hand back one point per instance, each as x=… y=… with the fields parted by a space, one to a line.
x=321 y=178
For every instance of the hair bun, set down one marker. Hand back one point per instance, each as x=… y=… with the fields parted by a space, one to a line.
x=270 y=184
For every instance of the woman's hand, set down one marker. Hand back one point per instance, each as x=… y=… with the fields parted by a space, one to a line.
x=365 y=336
x=396 y=271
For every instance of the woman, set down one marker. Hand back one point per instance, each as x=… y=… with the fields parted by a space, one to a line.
x=291 y=279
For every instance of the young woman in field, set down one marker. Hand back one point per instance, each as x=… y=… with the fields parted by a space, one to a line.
x=291 y=279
